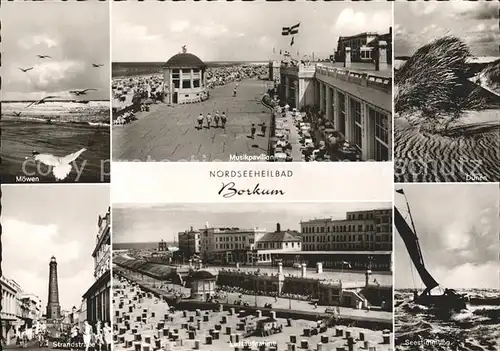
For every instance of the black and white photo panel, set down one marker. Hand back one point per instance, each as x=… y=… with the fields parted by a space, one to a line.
x=56 y=262
x=447 y=91
x=250 y=81
x=220 y=276
x=447 y=278
x=55 y=92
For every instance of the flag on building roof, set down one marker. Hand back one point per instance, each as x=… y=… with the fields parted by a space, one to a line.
x=290 y=30
x=400 y=191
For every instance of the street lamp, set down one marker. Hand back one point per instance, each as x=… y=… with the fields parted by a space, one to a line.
x=255 y=290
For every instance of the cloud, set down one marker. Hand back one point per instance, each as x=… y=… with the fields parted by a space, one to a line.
x=179 y=26
x=74 y=35
x=454 y=237
x=476 y=10
x=137 y=32
x=211 y=30
x=36 y=240
x=350 y=22
x=26 y=260
x=483 y=38
x=469 y=276
x=36 y=40
x=48 y=76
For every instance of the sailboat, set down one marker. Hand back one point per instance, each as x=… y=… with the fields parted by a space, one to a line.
x=448 y=301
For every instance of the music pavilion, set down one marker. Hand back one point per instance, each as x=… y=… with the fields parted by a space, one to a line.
x=184 y=79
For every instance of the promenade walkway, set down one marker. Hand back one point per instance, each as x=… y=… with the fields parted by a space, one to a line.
x=170 y=133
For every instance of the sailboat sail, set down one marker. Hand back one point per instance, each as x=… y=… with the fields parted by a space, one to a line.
x=411 y=241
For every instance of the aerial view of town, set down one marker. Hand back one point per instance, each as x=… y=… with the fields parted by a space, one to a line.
x=325 y=283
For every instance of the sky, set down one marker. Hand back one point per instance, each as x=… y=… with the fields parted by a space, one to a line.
x=418 y=23
x=237 y=31
x=144 y=223
x=75 y=35
x=458 y=228
x=39 y=221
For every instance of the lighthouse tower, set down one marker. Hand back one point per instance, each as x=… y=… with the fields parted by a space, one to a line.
x=53 y=306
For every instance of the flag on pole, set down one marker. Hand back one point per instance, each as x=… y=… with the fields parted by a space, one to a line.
x=345 y=263
x=294 y=29
x=400 y=191
x=290 y=30
x=291 y=43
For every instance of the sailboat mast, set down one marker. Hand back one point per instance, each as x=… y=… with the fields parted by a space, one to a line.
x=411 y=217
x=414 y=231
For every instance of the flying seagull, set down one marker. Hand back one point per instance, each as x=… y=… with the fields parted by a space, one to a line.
x=43 y=56
x=61 y=165
x=97 y=65
x=17 y=113
x=80 y=92
x=42 y=101
x=26 y=70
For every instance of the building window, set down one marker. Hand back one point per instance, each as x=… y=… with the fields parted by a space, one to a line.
x=196 y=83
x=186 y=84
x=381 y=134
x=366 y=53
x=341 y=126
x=176 y=85
x=358 y=126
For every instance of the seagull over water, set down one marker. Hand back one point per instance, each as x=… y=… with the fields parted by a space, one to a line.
x=80 y=92
x=97 y=65
x=26 y=69
x=17 y=113
x=61 y=166
x=42 y=101
x=43 y=56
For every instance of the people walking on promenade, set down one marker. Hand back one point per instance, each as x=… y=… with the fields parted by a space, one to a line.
x=216 y=119
x=223 y=119
x=200 y=121
x=253 y=130
x=87 y=335
x=263 y=128
x=209 y=120
x=108 y=336
x=98 y=337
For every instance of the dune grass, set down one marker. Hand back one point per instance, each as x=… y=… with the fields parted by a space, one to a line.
x=432 y=90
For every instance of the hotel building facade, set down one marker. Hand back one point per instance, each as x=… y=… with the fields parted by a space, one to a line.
x=355 y=98
x=98 y=296
x=359 y=231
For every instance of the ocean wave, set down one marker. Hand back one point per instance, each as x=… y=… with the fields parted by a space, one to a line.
x=476 y=328
x=53 y=121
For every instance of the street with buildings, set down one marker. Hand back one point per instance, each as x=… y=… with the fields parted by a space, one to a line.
x=71 y=310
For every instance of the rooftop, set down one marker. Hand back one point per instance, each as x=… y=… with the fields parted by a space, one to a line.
x=182 y=60
x=359 y=67
x=285 y=236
